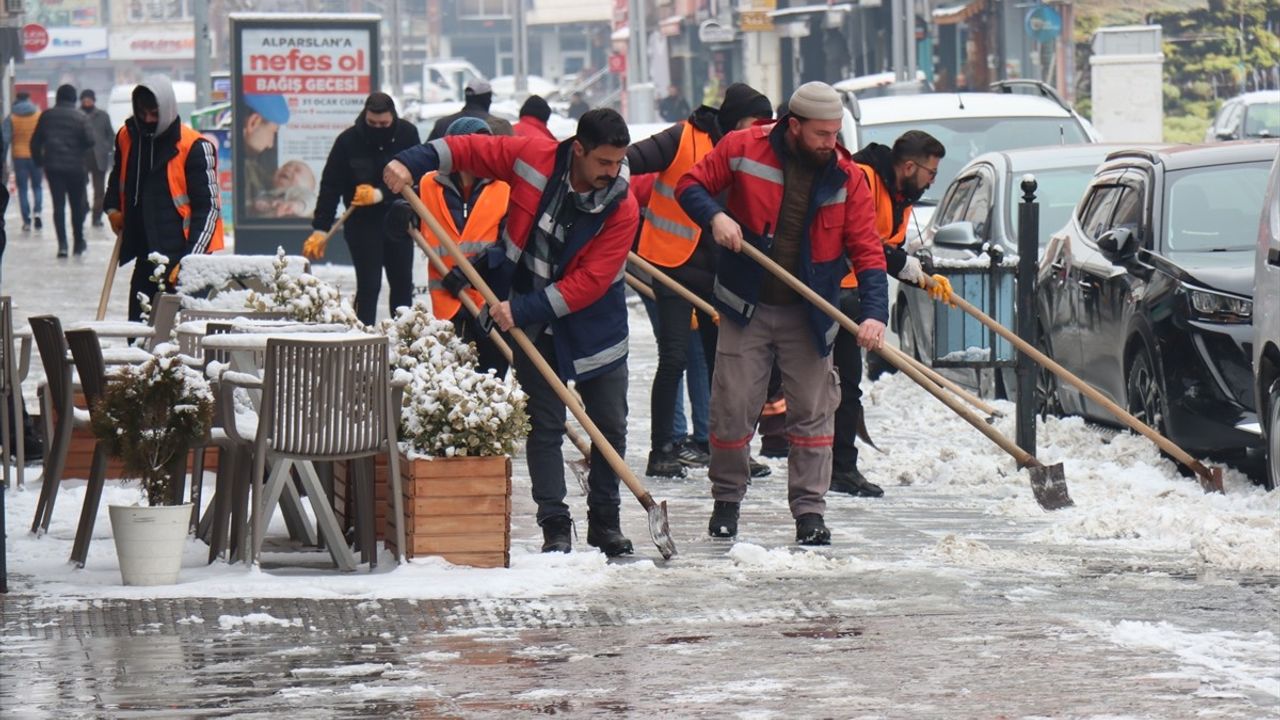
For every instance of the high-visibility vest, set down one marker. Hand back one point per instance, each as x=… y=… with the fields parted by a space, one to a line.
x=670 y=236
x=884 y=217
x=480 y=231
x=176 y=170
x=24 y=126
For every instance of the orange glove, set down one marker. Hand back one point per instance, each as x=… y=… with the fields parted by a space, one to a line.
x=366 y=195
x=116 y=218
x=173 y=274
x=313 y=247
x=940 y=290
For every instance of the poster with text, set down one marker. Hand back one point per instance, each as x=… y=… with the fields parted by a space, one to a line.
x=297 y=83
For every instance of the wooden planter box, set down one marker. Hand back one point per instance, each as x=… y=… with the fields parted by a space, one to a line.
x=80 y=453
x=455 y=508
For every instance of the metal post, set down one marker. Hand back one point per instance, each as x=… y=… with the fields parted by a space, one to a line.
x=895 y=19
x=1028 y=257
x=203 y=51
x=909 y=37
x=639 y=89
x=397 y=56
x=520 y=51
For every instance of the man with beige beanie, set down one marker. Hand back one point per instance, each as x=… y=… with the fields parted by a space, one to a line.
x=794 y=193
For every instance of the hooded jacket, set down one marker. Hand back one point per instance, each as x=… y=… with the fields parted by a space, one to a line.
x=357 y=158
x=62 y=137
x=19 y=127
x=151 y=219
x=475 y=106
x=583 y=300
x=530 y=126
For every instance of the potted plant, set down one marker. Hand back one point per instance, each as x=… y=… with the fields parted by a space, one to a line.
x=149 y=417
x=306 y=298
x=458 y=429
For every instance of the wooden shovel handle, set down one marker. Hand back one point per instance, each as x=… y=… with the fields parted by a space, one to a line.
x=648 y=268
x=606 y=449
x=894 y=356
x=110 y=279
x=639 y=286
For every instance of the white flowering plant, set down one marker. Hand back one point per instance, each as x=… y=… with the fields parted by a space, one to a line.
x=149 y=416
x=450 y=408
x=304 y=296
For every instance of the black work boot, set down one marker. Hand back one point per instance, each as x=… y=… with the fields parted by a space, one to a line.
x=724 y=520
x=663 y=462
x=690 y=455
x=774 y=446
x=604 y=531
x=557 y=534
x=758 y=469
x=855 y=484
x=811 y=530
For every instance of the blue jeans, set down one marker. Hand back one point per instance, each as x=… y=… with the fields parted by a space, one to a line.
x=699 y=386
x=26 y=172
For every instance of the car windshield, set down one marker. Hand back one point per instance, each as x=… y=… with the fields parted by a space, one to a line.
x=1262 y=120
x=1214 y=209
x=967 y=138
x=1057 y=191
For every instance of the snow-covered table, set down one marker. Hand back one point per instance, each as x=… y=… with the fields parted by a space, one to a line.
x=104 y=329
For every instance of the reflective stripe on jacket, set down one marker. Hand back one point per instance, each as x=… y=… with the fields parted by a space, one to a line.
x=884 y=217
x=669 y=236
x=176 y=172
x=478 y=232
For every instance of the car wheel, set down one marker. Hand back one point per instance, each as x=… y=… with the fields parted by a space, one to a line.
x=1144 y=391
x=907 y=334
x=1272 y=477
x=1048 y=402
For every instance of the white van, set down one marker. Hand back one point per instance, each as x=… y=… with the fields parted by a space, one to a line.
x=120 y=104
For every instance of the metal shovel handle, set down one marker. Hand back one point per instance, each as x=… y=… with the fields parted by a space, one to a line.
x=611 y=456
x=895 y=357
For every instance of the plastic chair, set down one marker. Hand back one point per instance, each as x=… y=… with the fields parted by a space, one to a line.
x=86 y=353
x=55 y=401
x=10 y=388
x=164 y=316
x=322 y=400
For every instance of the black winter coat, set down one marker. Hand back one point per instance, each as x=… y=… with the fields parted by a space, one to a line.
x=497 y=125
x=357 y=158
x=61 y=139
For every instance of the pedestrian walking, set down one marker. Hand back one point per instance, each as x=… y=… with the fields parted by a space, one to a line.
x=477 y=97
x=534 y=114
x=675 y=243
x=578 y=106
x=352 y=173
x=674 y=108
x=58 y=146
x=559 y=268
x=162 y=194
x=793 y=173
x=98 y=160
x=19 y=126
x=897 y=178
x=475 y=210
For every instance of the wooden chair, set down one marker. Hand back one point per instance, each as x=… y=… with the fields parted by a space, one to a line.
x=327 y=400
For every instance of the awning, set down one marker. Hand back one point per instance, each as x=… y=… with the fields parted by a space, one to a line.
x=563 y=12
x=958 y=13
x=799 y=13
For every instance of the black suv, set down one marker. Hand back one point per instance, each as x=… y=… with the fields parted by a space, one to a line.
x=1147 y=293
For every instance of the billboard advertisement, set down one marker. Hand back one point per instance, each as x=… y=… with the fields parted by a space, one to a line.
x=299 y=82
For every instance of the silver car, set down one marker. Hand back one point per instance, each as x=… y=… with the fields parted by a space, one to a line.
x=1266 y=325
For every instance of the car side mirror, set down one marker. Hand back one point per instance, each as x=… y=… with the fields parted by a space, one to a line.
x=1118 y=244
x=957 y=235
x=1225 y=135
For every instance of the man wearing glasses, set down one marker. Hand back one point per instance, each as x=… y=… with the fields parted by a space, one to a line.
x=898 y=177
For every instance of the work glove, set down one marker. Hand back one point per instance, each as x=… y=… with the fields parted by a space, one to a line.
x=173 y=274
x=116 y=218
x=940 y=290
x=313 y=248
x=366 y=195
x=485 y=320
x=912 y=271
x=455 y=282
x=398 y=221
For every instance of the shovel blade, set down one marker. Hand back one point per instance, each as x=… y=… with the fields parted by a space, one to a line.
x=660 y=529
x=581 y=469
x=1211 y=480
x=861 y=431
x=1049 y=483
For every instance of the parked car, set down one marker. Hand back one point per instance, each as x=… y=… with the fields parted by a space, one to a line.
x=1147 y=293
x=884 y=84
x=120 y=101
x=1266 y=325
x=981 y=206
x=1251 y=115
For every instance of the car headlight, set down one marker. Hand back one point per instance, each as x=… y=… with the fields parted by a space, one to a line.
x=1218 y=307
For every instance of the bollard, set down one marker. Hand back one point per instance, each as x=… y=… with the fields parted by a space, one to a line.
x=1028 y=260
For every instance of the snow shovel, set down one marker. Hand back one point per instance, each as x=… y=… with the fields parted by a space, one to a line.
x=1048 y=483
x=111 y=277
x=1210 y=477
x=342 y=219
x=659 y=525
x=638 y=285
x=580 y=467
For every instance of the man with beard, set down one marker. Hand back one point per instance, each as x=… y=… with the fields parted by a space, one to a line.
x=163 y=193
x=353 y=173
x=557 y=271
x=793 y=173
x=898 y=178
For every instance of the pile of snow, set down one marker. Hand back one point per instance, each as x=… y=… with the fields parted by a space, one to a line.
x=203 y=275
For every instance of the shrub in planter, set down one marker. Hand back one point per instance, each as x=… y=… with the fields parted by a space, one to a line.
x=304 y=296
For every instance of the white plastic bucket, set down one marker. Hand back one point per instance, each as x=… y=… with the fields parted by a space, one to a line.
x=149 y=542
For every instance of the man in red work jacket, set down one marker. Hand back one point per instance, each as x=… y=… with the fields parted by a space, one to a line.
x=795 y=194
x=559 y=266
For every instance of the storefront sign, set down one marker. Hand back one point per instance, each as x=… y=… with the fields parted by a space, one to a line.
x=711 y=31
x=69 y=42
x=159 y=42
x=34 y=39
x=753 y=15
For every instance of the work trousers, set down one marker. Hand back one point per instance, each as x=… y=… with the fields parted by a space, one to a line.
x=674 y=316
x=605 y=398
x=99 y=179
x=848 y=361
x=744 y=358
x=373 y=252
